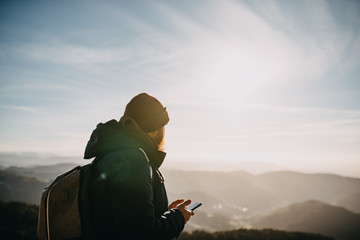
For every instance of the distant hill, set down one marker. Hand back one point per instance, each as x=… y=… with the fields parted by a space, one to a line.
x=351 y=201
x=291 y=187
x=20 y=188
x=313 y=216
x=46 y=172
x=27 y=183
x=29 y=159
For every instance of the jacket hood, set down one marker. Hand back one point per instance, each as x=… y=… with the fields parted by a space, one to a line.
x=126 y=134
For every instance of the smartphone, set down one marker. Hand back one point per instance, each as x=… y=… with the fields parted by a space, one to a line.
x=193 y=206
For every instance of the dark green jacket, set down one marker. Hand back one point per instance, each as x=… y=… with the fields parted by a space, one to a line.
x=127 y=196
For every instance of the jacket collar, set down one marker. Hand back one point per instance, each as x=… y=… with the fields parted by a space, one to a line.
x=156 y=156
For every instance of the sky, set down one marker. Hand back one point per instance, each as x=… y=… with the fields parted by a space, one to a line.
x=276 y=82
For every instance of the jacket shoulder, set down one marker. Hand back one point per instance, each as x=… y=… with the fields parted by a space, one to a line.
x=124 y=164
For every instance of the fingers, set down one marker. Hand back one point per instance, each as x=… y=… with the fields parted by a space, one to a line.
x=175 y=203
x=187 y=202
x=184 y=204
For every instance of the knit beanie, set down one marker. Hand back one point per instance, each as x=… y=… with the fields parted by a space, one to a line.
x=147 y=112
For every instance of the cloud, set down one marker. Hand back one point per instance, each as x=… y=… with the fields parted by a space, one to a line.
x=20 y=108
x=71 y=54
x=231 y=43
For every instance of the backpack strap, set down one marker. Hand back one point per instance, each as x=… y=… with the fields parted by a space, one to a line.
x=84 y=196
x=148 y=160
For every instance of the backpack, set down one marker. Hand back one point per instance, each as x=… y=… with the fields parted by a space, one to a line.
x=63 y=206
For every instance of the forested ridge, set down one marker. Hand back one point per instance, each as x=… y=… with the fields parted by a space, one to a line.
x=251 y=234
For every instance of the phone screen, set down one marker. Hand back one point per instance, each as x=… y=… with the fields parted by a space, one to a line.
x=193 y=206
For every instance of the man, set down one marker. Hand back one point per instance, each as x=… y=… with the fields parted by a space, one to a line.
x=127 y=196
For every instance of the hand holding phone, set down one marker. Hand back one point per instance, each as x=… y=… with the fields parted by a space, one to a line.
x=193 y=206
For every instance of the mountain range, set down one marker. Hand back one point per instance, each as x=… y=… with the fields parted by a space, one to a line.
x=245 y=195
x=233 y=200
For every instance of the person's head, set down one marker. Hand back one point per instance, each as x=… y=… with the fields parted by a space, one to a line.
x=150 y=115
